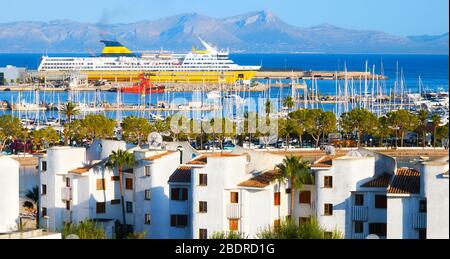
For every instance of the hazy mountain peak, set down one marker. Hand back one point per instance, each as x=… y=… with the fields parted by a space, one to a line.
x=259 y=31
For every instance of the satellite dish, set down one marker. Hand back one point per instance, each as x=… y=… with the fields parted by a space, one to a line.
x=155 y=140
x=372 y=236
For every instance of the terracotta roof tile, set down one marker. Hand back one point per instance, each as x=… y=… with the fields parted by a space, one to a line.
x=406 y=181
x=446 y=173
x=203 y=158
x=325 y=161
x=260 y=181
x=181 y=175
x=382 y=181
x=158 y=156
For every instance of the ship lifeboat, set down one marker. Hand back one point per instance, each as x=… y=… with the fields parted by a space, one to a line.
x=144 y=87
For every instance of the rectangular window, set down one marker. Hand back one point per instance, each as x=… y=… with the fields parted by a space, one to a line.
x=287 y=191
x=380 y=201
x=423 y=206
x=44 y=165
x=276 y=199
x=100 y=207
x=328 y=209
x=148 y=195
x=44 y=212
x=179 y=194
x=116 y=201
x=128 y=183
x=129 y=207
x=147 y=219
x=202 y=233
x=234 y=197
x=234 y=224
x=178 y=220
x=100 y=184
x=328 y=181
x=67 y=182
x=359 y=227
x=115 y=178
x=359 y=199
x=147 y=171
x=378 y=229
x=305 y=197
x=44 y=189
x=202 y=207
x=203 y=180
x=67 y=205
x=303 y=220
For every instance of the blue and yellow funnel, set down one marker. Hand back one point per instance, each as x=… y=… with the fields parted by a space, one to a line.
x=115 y=49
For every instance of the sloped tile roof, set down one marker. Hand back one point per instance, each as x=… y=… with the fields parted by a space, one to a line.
x=203 y=158
x=261 y=180
x=158 y=156
x=181 y=175
x=406 y=181
x=381 y=181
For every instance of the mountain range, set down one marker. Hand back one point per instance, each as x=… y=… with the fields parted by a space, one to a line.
x=255 y=32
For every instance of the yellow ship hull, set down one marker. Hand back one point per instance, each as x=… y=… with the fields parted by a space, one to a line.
x=228 y=77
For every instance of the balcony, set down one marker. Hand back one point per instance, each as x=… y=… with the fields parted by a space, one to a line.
x=419 y=220
x=66 y=194
x=234 y=211
x=359 y=236
x=67 y=216
x=360 y=213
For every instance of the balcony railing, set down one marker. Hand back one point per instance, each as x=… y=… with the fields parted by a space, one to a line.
x=419 y=220
x=234 y=211
x=360 y=213
x=359 y=236
x=67 y=216
x=66 y=194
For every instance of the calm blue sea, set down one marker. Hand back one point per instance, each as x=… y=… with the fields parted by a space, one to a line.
x=433 y=70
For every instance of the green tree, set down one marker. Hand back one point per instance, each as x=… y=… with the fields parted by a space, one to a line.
x=290 y=230
x=70 y=110
x=442 y=132
x=299 y=118
x=10 y=129
x=46 y=136
x=118 y=160
x=289 y=103
x=383 y=129
x=360 y=121
x=95 y=126
x=318 y=123
x=402 y=121
x=297 y=171
x=136 y=235
x=135 y=129
x=86 y=229
x=33 y=198
x=423 y=125
x=435 y=120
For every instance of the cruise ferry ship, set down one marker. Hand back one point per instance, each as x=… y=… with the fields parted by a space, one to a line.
x=118 y=63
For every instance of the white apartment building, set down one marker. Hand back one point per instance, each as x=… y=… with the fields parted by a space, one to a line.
x=222 y=192
x=175 y=192
x=350 y=193
x=9 y=194
x=418 y=202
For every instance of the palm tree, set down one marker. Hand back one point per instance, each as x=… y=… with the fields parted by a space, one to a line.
x=423 y=123
x=436 y=120
x=69 y=110
x=289 y=102
x=296 y=170
x=33 y=196
x=118 y=159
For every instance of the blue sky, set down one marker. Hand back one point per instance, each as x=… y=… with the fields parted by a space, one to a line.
x=401 y=17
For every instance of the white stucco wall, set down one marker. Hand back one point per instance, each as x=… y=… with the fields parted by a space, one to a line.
x=9 y=194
